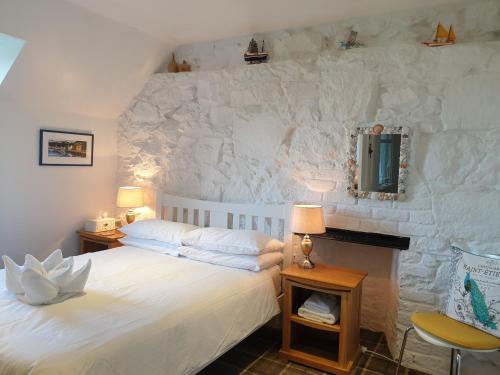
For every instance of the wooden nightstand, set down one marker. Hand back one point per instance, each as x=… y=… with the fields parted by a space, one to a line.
x=97 y=241
x=333 y=348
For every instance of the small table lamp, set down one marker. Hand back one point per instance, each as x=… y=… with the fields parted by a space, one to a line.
x=130 y=197
x=307 y=219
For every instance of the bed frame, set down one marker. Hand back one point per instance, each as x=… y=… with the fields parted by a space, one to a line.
x=270 y=219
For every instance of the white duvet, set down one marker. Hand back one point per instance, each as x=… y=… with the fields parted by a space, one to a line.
x=143 y=313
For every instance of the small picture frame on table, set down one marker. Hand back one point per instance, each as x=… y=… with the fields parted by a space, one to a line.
x=60 y=148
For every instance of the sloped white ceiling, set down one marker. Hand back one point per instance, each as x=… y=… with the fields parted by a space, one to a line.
x=75 y=61
x=188 y=21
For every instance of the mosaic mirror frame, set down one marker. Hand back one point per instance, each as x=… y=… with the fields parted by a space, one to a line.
x=352 y=163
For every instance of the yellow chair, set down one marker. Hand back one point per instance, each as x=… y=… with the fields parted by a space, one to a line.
x=438 y=329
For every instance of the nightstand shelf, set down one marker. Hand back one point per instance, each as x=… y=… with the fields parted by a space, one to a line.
x=328 y=347
x=96 y=241
x=313 y=324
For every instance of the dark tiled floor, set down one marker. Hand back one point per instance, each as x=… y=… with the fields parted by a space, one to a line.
x=258 y=355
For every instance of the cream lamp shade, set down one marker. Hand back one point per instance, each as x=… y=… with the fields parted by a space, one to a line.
x=130 y=197
x=307 y=219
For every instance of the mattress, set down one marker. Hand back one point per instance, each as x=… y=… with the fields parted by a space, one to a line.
x=275 y=273
x=142 y=313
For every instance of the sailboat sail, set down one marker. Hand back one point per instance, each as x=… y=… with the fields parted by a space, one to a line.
x=441 y=33
x=451 y=35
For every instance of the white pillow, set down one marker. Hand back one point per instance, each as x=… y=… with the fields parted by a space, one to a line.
x=246 y=262
x=160 y=230
x=232 y=241
x=153 y=245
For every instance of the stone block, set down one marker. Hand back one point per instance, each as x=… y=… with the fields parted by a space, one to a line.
x=355 y=211
x=408 y=270
x=469 y=216
x=347 y=94
x=292 y=43
x=207 y=151
x=403 y=98
x=369 y=225
x=313 y=146
x=431 y=245
x=422 y=217
x=445 y=167
x=412 y=229
x=419 y=296
x=341 y=221
x=463 y=98
x=414 y=203
x=391 y=214
x=142 y=111
x=388 y=226
x=267 y=132
x=256 y=93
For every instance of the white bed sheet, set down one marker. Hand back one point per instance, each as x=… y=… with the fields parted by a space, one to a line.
x=275 y=273
x=143 y=313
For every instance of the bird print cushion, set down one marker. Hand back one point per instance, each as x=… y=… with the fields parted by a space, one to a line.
x=474 y=296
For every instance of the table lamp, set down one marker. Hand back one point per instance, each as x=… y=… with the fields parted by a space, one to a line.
x=130 y=197
x=307 y=219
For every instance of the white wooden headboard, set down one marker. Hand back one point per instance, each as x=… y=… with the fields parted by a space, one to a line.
x=270 y=219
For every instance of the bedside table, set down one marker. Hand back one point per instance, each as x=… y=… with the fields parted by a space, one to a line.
x=97 y=241
x=327 y=347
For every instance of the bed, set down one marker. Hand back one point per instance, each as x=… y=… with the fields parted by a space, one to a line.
x=144 y=312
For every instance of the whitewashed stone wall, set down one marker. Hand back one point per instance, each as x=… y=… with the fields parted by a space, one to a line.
x=474 y=20
x=279 y=132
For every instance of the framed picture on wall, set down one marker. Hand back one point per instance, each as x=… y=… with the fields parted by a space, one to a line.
x=66 y=148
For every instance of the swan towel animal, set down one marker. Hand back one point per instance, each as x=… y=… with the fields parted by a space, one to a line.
x=47 y=282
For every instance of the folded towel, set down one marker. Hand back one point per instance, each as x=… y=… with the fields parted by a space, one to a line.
x=43 y=283
x=330 y=318
x=321 y=303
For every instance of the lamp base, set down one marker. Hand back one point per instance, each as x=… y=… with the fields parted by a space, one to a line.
x=130 y=216
x=307 y=263
x=307 y=247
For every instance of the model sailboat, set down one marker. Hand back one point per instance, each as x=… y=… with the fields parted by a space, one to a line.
x=442 y=37
x=253 y=56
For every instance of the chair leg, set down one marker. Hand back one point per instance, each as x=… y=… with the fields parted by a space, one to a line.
x=403 y=345
x=459 y=362
x=452 y=361
x=456 y=362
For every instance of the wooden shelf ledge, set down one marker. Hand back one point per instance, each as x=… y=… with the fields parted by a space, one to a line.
x=365 y=238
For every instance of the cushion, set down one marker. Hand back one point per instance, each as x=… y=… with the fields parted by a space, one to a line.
x=153 y=245
x=246 y=262
x=160 y=230
x=475 y=290
x=453 y=332
x=232 y=241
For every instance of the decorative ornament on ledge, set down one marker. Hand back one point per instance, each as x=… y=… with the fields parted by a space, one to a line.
x=351 y=41
x=184 y=67
x=253 y=56
x=173 y=67
x=441 y=37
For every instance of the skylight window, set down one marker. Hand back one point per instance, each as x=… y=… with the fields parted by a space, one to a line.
x=10 y=48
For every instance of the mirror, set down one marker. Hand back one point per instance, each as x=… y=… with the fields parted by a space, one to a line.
x=377 y=162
